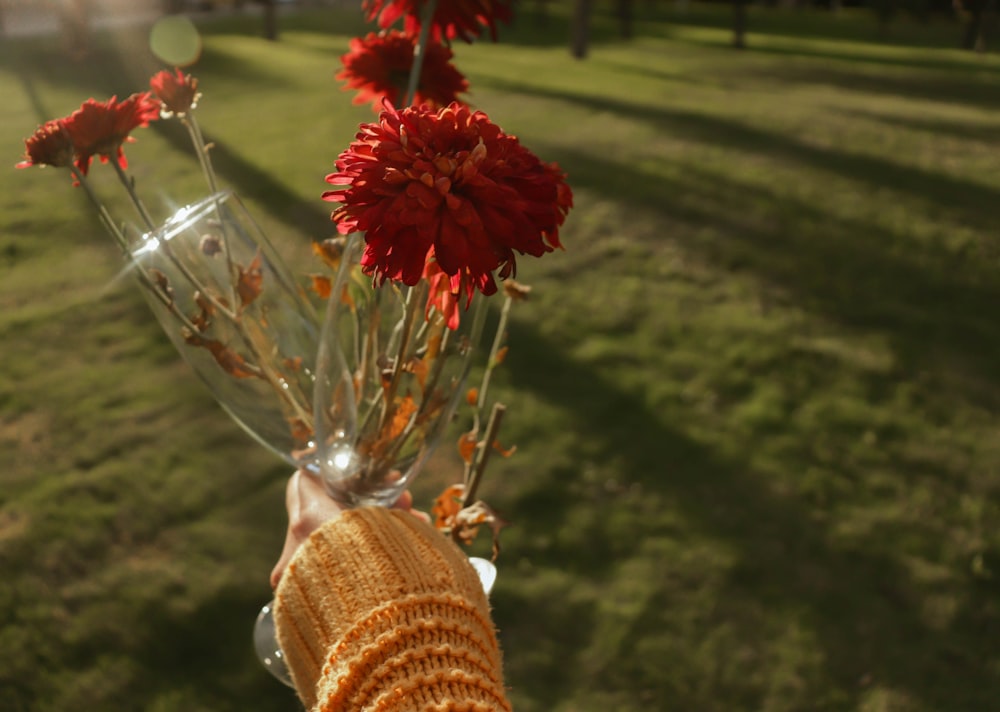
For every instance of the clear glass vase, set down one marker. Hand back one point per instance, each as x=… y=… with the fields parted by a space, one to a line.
x=238 y=317
x=390 y=373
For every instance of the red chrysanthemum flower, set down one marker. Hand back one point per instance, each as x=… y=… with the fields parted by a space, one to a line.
x=177 y=91
x=378 y=67
x=464 y=19
x=100 y=128
x=453 y=181
x=50 y=145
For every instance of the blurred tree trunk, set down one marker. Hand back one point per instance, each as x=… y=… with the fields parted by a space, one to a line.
x=973 y=37
x=740 y=23
x=542 y=12
x=580 y=37
x=885 y=10
x=74 y=16
x=270 y=19
x=625 y=18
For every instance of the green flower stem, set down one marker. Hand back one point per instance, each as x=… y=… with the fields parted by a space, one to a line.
x=426 y=19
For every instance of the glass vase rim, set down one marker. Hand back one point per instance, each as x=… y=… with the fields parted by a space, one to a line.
x=182 y=218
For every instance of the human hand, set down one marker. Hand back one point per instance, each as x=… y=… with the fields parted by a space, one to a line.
x=309 y=507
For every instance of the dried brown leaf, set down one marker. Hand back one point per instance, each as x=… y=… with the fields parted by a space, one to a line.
x=301 y=432
x=467 y=521
x=515 y=290
x=162 y=283
x=250 y=281
x=230 y=361
x=330 y=250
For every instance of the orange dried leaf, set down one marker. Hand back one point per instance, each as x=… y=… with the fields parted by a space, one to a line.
x=404 y=409
x=501 y=355
x=447 y=505
x=346 y=299
x=472 y=396
x=322 y=285
x=467 y=444
x=293 y=364
x=504 y=452
x=250 y=281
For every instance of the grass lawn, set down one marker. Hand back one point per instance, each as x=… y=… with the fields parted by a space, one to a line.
x=756 y=400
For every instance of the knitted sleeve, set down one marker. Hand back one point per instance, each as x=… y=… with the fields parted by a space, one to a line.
x=378 y=611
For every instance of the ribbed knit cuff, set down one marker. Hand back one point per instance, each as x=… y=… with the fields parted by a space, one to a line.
x=379 y=609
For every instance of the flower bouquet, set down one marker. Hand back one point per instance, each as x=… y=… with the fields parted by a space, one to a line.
x=433 y=203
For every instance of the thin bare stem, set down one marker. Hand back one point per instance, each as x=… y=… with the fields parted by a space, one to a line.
x=201 y=150
x=483 y=454
x=409 y=315
x=129 y=184
x=420 y=50
x=491 y=362
x=261 y=358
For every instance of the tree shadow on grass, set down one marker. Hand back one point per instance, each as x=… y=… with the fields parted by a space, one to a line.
x=962 y=130
x=959 y=69
x=967 y=199
x=195 y=650
x=859 y=601
x=923 y=86
x=935 y=306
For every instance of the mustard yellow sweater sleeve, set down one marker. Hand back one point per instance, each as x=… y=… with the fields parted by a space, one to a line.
x=378 y=611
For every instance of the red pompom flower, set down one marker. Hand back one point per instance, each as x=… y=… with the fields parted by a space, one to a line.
x=464 y=19
x=177 y=91
x=100 y=128
x=452 y=181
x=50 y=145
x=378 y=67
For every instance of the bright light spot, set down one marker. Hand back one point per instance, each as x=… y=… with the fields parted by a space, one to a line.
x=342 y=460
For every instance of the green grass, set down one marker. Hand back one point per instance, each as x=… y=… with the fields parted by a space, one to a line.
x=755 y=400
